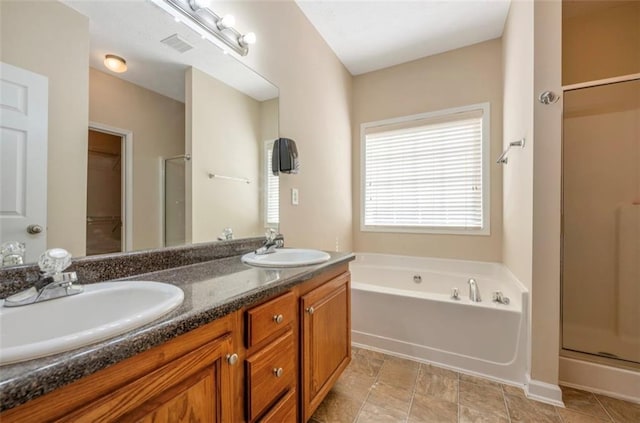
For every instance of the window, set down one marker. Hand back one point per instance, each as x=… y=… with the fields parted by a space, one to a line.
x=272 y=189
x=427 y=173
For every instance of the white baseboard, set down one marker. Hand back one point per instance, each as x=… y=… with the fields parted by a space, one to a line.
x=606 y=380
x=543 y=392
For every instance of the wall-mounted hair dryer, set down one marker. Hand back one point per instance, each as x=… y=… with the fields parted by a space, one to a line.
x=285 y=156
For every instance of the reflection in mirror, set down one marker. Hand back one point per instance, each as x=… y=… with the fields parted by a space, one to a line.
x=104 y=162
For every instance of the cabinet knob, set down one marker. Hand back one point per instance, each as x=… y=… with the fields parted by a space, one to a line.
x=278 y=372
x=310 y=310
x=232 y=359
x=278 y=318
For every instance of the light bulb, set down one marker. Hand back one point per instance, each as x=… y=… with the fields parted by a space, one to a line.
x=198 y=4
x=115 y=63
x=247 y=39
x=227 y=21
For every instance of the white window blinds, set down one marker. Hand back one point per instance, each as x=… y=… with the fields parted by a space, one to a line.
x=425 y=173
x=272 y=206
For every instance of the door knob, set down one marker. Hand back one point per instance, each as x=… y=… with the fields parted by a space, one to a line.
x=34 y=229
x=278 y=372
x=278 y=318
x=310 y=310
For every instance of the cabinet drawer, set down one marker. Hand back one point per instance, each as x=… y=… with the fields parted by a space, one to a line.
x=270 y=372
x=269 y=318
x=284 y=411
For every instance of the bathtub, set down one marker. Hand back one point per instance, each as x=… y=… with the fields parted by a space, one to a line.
x=394 y=311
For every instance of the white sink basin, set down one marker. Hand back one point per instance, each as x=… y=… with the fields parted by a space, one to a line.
x=286 y=257
x=102 y=311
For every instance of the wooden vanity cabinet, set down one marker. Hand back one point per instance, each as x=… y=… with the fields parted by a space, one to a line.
x=326 y=339
x=187 y=379
x=271 y=359
x=271 y=363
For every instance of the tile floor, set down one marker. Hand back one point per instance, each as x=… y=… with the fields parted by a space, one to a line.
x=380 y=388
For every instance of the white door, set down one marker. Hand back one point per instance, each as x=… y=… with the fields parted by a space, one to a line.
x=23 y=158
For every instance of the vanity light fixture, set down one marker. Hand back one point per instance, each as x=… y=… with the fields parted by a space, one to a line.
x=115 y=63
x=199 y=12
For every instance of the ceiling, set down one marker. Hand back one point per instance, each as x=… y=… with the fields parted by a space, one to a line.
x=134 y=29
x=372 y=35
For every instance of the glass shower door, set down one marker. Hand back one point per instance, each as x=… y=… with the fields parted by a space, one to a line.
x=601 y=221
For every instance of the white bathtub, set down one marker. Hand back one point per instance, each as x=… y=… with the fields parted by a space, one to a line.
x=394 y=314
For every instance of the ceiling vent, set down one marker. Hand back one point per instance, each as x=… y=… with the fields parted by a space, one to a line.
x=177 y=43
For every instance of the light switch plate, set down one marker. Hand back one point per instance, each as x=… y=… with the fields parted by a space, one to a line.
x=294 y=196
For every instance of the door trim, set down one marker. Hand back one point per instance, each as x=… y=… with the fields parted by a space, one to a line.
x=127 y=179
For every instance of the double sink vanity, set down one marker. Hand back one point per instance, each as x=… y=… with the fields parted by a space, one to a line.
x=184 y=334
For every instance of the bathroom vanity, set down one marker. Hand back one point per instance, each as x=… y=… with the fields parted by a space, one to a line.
x=247 y=344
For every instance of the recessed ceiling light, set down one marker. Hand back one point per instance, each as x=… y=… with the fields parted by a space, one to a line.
x=115 y=63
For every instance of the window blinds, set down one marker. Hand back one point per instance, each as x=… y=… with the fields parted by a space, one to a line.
x=273 y=190
x=427 y=174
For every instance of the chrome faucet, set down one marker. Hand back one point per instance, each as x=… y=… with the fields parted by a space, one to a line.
x=227 y=235
x=273 y=240
x=474 y=291
x=53 y=283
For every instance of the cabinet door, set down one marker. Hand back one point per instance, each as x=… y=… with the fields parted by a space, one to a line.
x=326 y=339
x=196 y=387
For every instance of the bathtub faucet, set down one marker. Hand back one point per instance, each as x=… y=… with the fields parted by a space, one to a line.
x=474 y=291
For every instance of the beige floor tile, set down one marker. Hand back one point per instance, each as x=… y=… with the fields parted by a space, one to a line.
x=337 y=408
x=372 y=354
x=398 y=372
x=391 y=397
x=354 y=385
x=470 y=415
x=571 y=416
x=364 y=365
x=530 y=411
x=372 y=413
x=426 y=409
x=435 y=385
x=478 y=380
x=621 y=411
x=485 y=398
x=582 y=401
x=513 y=390
x=434 y=370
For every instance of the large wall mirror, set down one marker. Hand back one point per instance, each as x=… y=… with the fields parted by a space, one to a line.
x=175 y=150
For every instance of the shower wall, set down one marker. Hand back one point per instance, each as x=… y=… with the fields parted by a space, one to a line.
x=601 y=218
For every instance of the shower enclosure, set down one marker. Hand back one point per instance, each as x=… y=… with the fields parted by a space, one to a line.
x=601 y=221
x=174 y=200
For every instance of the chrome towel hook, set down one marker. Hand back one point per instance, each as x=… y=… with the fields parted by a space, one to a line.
x=548 y=97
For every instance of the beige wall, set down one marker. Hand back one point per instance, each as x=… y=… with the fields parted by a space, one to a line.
x=35 y=35
x=157 y=124
x=222 y=120
x=545 y=295
x=600 y=39
x=469 y=75
x=531 y=203
x=517 y=68
x=315 y=95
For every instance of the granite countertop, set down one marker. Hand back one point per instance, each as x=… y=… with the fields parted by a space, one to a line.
x=212 y=290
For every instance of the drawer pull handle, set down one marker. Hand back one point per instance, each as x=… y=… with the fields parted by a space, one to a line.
x=232 y=359
x=310 y=310
x=278 y=318
x=278 y=372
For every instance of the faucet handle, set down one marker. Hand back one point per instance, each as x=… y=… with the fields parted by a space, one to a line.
x=54 y=261
x=271 y=234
